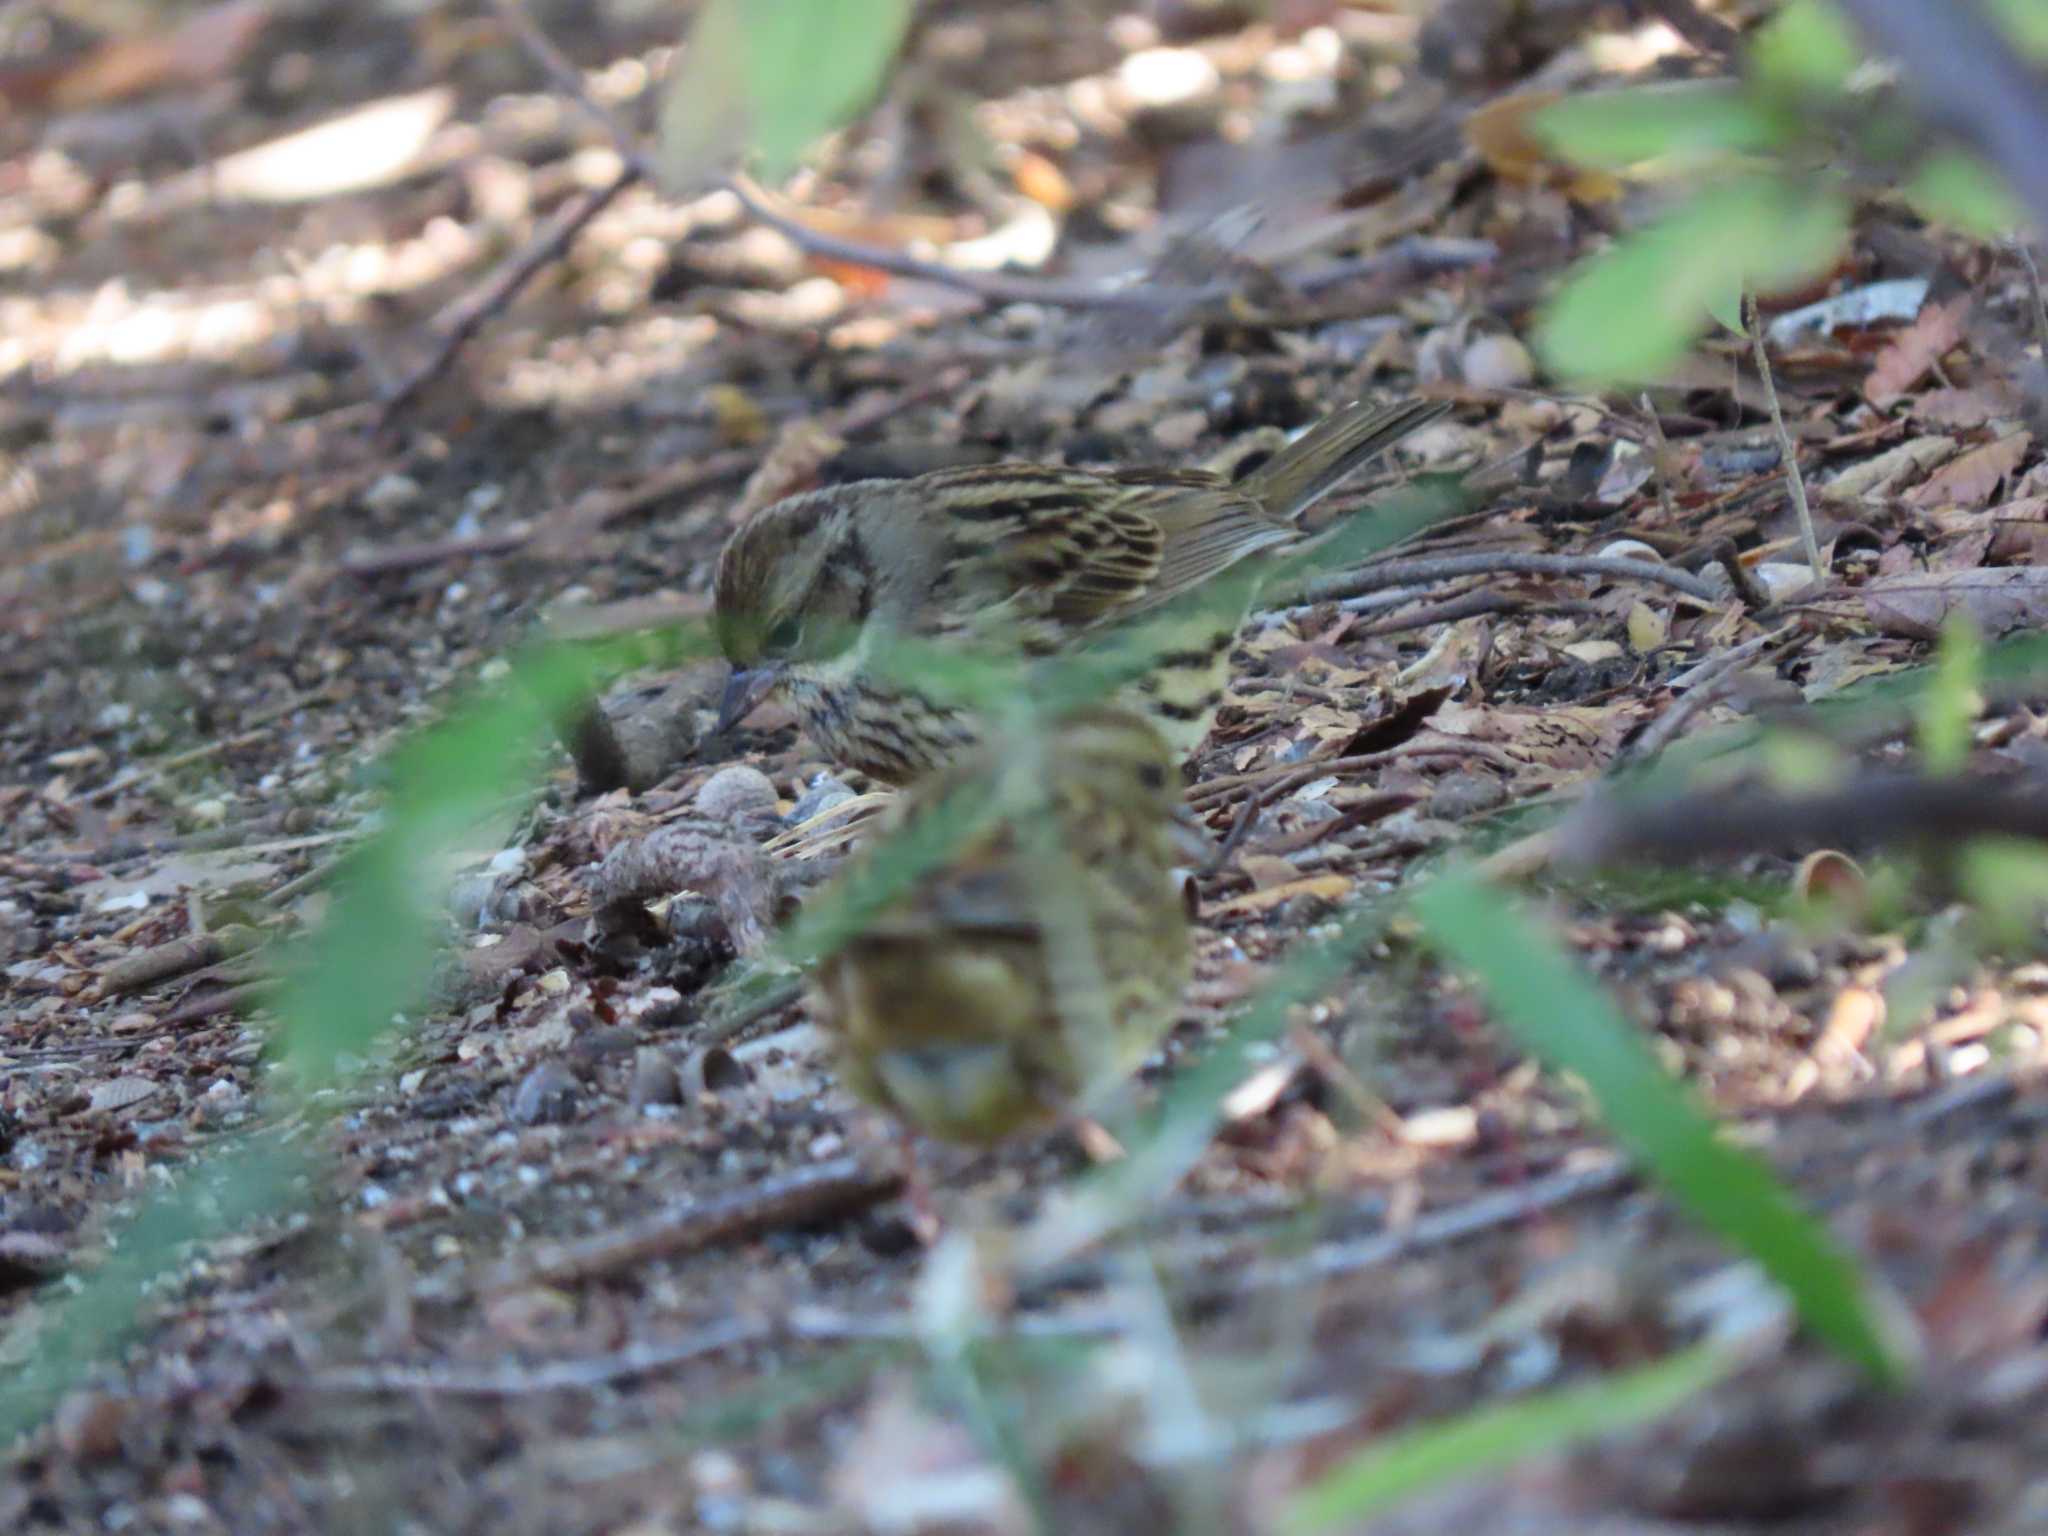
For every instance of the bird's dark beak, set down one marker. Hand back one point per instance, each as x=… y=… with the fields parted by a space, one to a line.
x=743 y=690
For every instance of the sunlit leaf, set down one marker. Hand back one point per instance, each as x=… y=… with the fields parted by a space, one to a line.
x=1951 y=704
x=1542 y=999
x=2025 y=22
x=1808 y=48
x=771 y=77
x=1617 y=129
x=1630 y=313
x=1954 y=187
x=1489 y=1439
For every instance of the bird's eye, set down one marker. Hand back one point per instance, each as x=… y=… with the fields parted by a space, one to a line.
x=785 y=637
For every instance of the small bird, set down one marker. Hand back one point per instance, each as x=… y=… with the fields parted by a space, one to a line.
x=1017 y=560
x=1041 y=957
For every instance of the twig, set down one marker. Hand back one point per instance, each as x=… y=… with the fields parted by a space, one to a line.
x=1470 y=605
x=791 y=1200
x=1400 y=573
x=1874 y=810
x=1706 y=683
x=157 y=767
x=1754 y=594
x=1786 y=451
x=228 y=1000
x=643 y=1359
x=194 y=952
x=1293 y=775
x=1660 y=461
x=2026 y=254
x=594 y=510
x=466 y=316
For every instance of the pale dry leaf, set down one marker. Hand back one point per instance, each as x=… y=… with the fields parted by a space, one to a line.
x=1999 y=600
x=1971 y=480
x=120 y=1092
x=1883 y=474
x=201 y=49
x=1329 y=887
x=1966 y=408
x=1916 y=349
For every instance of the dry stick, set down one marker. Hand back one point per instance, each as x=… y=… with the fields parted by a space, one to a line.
x=1294 y=775
x=1708 y=683
x=1660 y=460
x=1786 y=450
x=1401 y=573
x=1877 y=810
x=641 y=1359
x=789 y=1200
x=596 y=510
x=466 y=316
x=2026 y=254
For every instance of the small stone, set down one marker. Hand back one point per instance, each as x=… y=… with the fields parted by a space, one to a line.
x=89 y=1424
x=825 y=793
x=545 y=1096
x=734 y=792
x=655 y=1079
x=1498 y=362
x=469 y=899
x=392 y=493
x=713 y=1070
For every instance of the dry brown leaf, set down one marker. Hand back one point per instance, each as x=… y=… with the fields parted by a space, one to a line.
x=1499 y=131
x=1965 y=408
x=1882 y=474
x=1916 y=349
x=1970 y=481
x=1999 y=600
x=202 y=49
x=1328 y=887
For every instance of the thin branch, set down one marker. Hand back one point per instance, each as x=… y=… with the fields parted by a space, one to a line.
x=1707 y=683
x=1876 y=810
x=1786 y=450
x=515 y=1380
x=466 y=316
x=1398 y=573
x=790 y=1200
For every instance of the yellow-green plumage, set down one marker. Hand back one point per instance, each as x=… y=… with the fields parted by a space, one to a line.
x=1044 y=956
x=1010 y=559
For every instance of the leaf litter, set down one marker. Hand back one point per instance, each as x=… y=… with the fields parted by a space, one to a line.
x=270 y=607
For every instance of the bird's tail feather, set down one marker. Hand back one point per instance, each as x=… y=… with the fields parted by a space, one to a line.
x=1306 y=470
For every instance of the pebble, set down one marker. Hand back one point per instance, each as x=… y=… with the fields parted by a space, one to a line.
x=825 y=792
x=545 y=1096
x=733 y=792
x=655 y=1079
x=392 y=493
x=1498 y=362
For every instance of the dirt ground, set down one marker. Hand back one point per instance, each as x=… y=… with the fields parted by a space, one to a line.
x=233 y=573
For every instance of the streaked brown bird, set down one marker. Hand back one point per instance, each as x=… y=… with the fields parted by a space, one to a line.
x=1042 y=957
x=1020 y=560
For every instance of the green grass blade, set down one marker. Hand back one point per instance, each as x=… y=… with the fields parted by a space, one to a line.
x=1546 y=1003
x=1492 y=1438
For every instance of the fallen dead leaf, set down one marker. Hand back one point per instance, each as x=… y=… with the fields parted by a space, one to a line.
x=1971 y=480
x=202 y=48
x=1914 y=350
x=1329 y=887
x=1999 y=600
x=1883 y=474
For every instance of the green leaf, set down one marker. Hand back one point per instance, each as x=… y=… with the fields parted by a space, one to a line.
x=1806 y=49
x=1491 y=1438
x=1613 y=130
x=1951 y=704
x=1954 y=187
x=1629 y=314
x=2026 y=23
x=772 y=77
x=1543 y=1000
